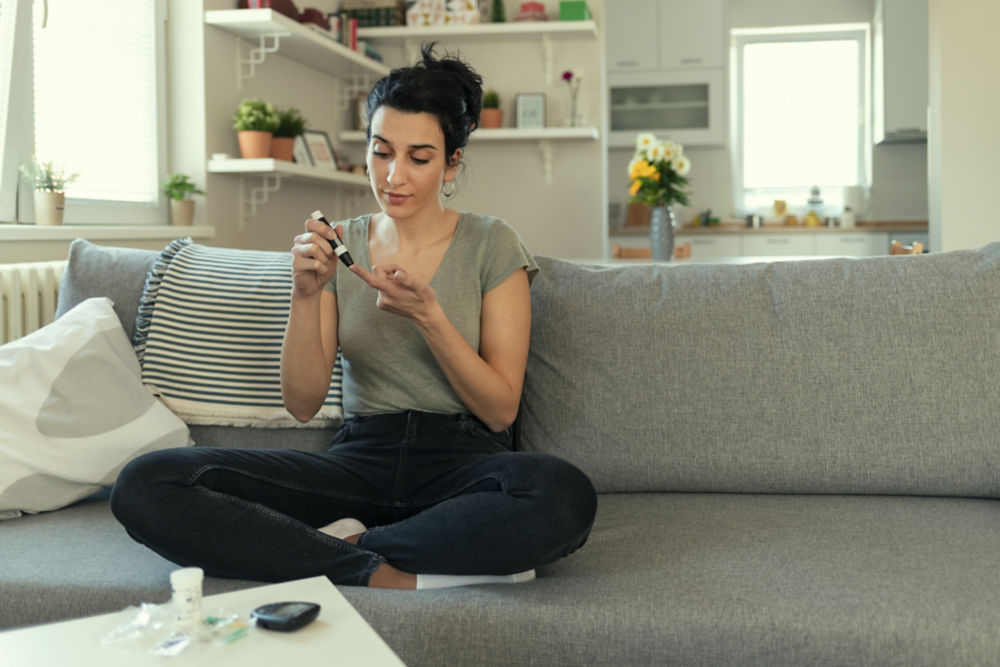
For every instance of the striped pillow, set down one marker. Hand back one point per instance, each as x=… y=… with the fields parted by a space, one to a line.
x=208 y=336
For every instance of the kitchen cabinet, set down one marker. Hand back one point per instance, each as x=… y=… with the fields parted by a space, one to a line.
x=779 y=244
x=711 y=247
x=684 y=106
x=666 y=71
x=692 y=34
x=631 y=28
x=656 y=35
x=862 y=244
x=900 y=51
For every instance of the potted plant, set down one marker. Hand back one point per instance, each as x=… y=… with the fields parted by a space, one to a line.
x=180 y=189
x=290 y=125
x=491 y=114
x=658 y=174
x=49 y=183
x=255 y=121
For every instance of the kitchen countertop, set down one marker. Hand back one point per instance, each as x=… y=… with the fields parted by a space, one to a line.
x=741 y=228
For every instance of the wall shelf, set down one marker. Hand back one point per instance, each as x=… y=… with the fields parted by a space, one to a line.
x=543 y=135
x=411 y=37
x=275 y=33
x=270 y=174
x=504 y=31
x=511 y=134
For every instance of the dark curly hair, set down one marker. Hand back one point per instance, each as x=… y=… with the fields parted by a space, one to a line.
x=445 y=87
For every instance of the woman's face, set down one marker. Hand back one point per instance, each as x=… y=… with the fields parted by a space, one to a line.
x=406 y=162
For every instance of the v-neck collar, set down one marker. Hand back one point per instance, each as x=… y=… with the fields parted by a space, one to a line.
x=444 y=258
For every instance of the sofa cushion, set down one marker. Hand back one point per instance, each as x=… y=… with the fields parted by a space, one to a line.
x=117 y=273
x=694 y=579
x=876 y=375
x=74 y=411
x=209 y=336
x=120 y=274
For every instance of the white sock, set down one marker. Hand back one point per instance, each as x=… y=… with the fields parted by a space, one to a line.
x=427 y=581
x=344 y=528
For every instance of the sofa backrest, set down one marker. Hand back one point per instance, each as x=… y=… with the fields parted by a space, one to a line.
x=877 y=375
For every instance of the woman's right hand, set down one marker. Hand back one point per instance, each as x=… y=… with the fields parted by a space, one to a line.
x=313 y=259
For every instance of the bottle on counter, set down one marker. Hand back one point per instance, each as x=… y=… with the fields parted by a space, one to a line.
x=847 y=218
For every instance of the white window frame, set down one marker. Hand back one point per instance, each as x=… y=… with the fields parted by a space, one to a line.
x=797 y=196
x=16 y=201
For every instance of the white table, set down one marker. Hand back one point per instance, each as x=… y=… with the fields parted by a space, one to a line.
x=338 y=636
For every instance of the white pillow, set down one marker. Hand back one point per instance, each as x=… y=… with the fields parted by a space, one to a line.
x=73 y=411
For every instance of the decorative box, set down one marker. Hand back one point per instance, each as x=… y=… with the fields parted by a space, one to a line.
x=574 y=10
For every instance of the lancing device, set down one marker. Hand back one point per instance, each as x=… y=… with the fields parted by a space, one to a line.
x=338 y=246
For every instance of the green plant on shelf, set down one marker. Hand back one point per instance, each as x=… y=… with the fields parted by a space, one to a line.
x=180 y=187
x=491 y=99
x=290 y=123
x=255 y=115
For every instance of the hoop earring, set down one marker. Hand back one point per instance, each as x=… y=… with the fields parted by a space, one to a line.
x=448 y=192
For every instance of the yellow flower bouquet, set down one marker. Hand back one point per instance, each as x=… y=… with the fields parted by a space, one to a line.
x=658 y=172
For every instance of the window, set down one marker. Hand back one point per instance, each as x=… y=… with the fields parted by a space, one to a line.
x=800 y=110
x=93 y=90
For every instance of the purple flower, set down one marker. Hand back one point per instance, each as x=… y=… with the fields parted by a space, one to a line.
x=567 y=76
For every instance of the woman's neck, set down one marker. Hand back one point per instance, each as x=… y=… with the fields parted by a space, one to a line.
x=416 y=232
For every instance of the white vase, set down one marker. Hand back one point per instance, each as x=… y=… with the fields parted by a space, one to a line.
x=181 y=211
x=49 y=207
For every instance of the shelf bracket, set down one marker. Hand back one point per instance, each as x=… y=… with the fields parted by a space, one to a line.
x=547 y=57
x=545 y=147
x=256 y=196
x=258 y=54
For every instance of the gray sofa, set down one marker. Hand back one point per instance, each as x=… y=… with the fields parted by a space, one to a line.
x=798 y=463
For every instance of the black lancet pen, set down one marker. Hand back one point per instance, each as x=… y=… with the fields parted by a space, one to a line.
x=338 y=246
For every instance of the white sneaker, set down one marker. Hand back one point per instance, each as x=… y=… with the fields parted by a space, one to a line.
x=344 y=528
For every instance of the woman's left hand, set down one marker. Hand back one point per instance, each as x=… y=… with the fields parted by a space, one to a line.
x=398 y=291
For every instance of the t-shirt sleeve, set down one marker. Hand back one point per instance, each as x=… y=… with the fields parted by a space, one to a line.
x=505 y=254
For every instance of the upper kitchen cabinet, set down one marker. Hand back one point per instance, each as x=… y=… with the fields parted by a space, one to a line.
x=666 y=70
x=692 y=34
x=900 y=71
x=650 y=35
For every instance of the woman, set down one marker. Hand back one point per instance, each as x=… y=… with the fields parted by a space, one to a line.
x=419 y=488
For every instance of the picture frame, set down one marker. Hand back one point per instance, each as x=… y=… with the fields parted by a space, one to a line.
x=530 y=110
x=320 y=149
x=300 y=153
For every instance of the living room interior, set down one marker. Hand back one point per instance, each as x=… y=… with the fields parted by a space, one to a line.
x=795 y=461
x=565 y=197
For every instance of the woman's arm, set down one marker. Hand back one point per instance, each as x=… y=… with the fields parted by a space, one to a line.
x=487 y=381
x=309 y=348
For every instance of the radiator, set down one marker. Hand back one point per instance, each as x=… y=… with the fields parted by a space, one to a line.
x=28 y=294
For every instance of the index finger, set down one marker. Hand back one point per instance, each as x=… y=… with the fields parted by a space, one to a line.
x=366 y=275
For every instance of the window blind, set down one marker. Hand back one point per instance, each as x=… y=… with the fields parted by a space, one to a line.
x=8 y=177
x=95 y=102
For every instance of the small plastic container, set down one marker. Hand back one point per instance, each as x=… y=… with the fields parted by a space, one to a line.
x=186 y=585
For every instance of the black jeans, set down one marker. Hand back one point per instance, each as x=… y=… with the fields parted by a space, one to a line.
x=441 y=494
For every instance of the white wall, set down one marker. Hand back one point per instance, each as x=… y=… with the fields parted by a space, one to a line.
x=964 y=126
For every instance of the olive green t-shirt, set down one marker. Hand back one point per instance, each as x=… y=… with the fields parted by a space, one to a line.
x=388 y=366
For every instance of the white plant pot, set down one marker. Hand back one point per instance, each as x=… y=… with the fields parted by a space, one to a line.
x=181 y=211
x=49 y=207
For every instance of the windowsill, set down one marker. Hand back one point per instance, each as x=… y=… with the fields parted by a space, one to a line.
x=19 y=232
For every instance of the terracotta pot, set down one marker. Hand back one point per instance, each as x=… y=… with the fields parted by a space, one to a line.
x=283 y=148
x=49 y=207
x=254 y=144
x=491 y=118
x=181 y=211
